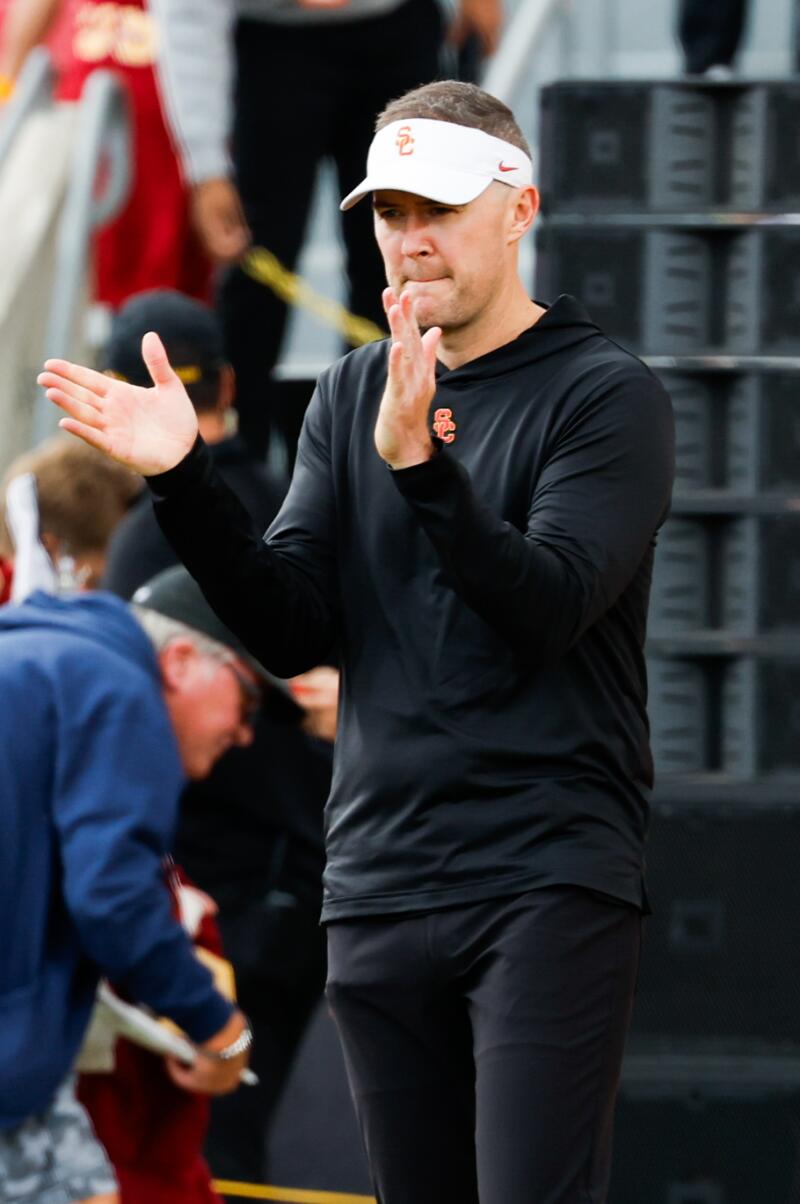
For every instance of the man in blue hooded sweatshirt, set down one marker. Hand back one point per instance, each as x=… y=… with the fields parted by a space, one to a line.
x=107 y=710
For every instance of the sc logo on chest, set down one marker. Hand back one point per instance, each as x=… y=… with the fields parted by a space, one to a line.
x=443 y=426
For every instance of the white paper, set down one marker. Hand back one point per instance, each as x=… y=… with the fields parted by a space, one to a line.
x=137 y=1025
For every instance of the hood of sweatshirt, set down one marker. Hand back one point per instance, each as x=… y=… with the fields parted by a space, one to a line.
x=99 y=617
x=563 y=326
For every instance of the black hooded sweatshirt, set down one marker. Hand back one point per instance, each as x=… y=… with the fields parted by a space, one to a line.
x=490 y=608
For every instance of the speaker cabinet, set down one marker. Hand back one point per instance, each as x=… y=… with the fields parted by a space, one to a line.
x=679 y=291
x=694 y=1143
x=719 y=960
x=670 y=146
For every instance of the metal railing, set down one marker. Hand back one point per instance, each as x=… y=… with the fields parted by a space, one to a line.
x=98 y=183
x=103 y=141
x=510 y=67
x=34 y=91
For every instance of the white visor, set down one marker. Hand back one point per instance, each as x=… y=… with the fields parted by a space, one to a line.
x=449 y=163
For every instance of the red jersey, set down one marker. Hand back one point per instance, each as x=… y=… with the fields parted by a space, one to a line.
x=152 y=1130
x=150 y=244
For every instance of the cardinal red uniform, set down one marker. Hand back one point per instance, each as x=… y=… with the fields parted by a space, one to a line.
x=150 y=244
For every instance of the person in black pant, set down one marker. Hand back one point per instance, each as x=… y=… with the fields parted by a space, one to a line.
x=710 y=32
x=348 y=72
x=251 y=834
x=473 y=516
x=308 y=77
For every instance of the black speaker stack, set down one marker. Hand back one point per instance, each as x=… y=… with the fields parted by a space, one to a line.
x=671 y=209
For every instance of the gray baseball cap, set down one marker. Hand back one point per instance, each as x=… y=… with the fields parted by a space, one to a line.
x=175 y=594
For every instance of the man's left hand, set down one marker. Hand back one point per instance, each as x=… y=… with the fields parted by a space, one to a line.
x=207 y=1075
x=402 y=432
x=219 y=219
x=317 y=692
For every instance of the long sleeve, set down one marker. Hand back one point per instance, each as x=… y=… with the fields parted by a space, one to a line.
x=279 y=594
x=115 y=798
x=195 y=74
x=593 y=513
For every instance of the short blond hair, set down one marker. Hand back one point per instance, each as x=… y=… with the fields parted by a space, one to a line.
x=82 y=493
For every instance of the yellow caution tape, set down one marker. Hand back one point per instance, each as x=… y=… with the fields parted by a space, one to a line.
x=267 y=269
x=288 y=1195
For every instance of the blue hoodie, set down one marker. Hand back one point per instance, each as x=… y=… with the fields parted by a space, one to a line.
x=90 y=777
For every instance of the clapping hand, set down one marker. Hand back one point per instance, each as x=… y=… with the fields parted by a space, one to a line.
x=402 y=432
x=149 y=430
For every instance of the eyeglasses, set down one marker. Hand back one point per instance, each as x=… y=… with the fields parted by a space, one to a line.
x=251 y=693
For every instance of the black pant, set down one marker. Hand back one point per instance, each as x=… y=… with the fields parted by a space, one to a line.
x=304 y=93
x=710 y=32
x=483 y=1045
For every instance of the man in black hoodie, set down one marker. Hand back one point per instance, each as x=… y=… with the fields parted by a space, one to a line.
x=473 y=516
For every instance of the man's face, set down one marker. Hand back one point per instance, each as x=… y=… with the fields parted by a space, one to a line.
x=211 y=703
x=453 y=259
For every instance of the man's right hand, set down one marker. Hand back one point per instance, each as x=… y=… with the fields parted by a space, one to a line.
x=207 y=1075
x=219 y=219
x=149 y=430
